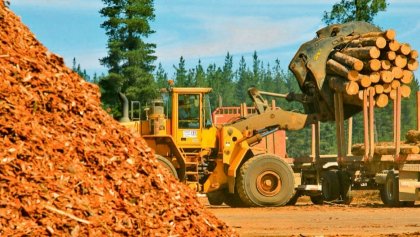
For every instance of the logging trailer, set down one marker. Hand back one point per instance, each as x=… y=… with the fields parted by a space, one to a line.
x=221 y=160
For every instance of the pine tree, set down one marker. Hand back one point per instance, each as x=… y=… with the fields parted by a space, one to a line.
x=354 y=10
x=161 y=77
x=181 y=73
x=130 y=59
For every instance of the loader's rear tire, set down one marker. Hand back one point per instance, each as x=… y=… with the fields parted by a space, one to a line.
x=390 y=190
x=233 y=200
x=167 y=165
x=265 y=180
x=216 y=198
x=330 y=185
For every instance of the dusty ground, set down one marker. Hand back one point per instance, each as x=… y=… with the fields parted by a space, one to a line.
x=366 y=216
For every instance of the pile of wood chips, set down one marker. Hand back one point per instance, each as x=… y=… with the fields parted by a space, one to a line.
x=374 y=62
x=67 y=168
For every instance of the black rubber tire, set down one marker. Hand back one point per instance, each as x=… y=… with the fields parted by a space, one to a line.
x=330 y=185
x=346 y=194
x=390 y=190
x=265 y=180
x=167 y=164
x=233 y=200
x=216 y=198
x=317 y=200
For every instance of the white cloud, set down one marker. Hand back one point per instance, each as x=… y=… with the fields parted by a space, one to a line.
x=68 y=4
x=239 y=35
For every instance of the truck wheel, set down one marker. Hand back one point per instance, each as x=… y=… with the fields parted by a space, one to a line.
x=265 y=180
x=233 y=200
x=330 y=185
x=390 y=191
x=167 y=165
x=317 y=200
x=216 y=198
x=345 y=187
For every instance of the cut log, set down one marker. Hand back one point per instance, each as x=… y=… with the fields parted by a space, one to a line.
x=352 y=62
x=353 y=99
x=400 y=61
x=413 y=136
x=375 y=77
x=393 y=94
x=379 y=89
x=388 y=34
x=383 y=149
x=373 y=65
x=377 y=41
x=363 y=53
x=386 y=76
x=395 y=84
x=393 y=45
x=364 y=81
x=397 y=72
x=407 y=77
x=341 y=85
x=385 y=64
x=405 y=91
x=405 y=49
x=390 y=55
x=387 y=87
x=381 y=100
x=412 y=64
x=414 y=54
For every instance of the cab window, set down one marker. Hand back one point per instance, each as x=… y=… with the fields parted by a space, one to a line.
x=189 y=111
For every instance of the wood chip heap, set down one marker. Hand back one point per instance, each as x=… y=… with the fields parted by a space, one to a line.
x=374 y=61
x=67 y=168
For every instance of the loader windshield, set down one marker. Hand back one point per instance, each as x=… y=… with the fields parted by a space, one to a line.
x=188 y=111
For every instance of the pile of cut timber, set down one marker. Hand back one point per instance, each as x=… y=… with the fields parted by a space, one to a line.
x=375 y=62
x=67 y=168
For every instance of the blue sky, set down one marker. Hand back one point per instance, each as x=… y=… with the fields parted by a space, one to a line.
x=198 y=29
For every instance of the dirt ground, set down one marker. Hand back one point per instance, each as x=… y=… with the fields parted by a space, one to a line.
x=366 y=216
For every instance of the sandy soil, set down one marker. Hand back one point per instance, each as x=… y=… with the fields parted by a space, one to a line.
x=366 y=216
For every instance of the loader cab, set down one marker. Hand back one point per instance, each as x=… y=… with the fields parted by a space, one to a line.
x=190 y=117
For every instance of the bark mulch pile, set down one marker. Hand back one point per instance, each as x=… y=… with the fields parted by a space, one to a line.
x=67 y=168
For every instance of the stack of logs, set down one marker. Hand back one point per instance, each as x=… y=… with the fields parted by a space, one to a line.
x=375 y=62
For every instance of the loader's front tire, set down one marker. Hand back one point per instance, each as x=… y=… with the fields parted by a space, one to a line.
x=265 y=180
x=167 y=165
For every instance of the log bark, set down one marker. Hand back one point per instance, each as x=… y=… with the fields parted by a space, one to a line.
x=377 y=41
x=383 y=149
x=407 y=77
x=341 y=85
x=413 y=136
x=363 y=53
x=388 y=34
x=381 y=100
x=352 y=62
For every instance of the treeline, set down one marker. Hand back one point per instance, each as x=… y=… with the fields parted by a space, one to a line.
x=230 y=84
